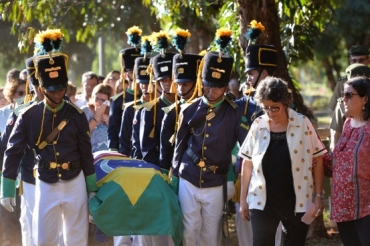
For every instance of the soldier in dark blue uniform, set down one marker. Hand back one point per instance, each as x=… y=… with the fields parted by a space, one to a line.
x=185 y=75
x=58 y=133
x=151 y=113
x=127 y=57
x=28 y=161
x=208 y=131
x=142 y=77
x=185 y=70
x=261 y=61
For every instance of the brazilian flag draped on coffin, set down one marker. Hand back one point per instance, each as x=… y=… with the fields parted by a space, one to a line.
x=134 y=198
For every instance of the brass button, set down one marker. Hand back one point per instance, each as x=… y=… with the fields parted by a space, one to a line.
x=205 y=147
x=202 y=181
x=59 y=175
x=57 y=153
x=301 y=205
x=299 y=187
x=54 y=142
x=297 y=169
x=53 y=165
x=207 y=135
x=204 y=169
x=258 y=203
x=260 y=187
x=305 y=178
x=209 y=124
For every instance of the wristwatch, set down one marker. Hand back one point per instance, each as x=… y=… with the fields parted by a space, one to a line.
x=320 y=195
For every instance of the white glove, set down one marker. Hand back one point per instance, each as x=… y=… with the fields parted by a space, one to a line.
x=230 y=190
x=8 y=203
x=91 y=195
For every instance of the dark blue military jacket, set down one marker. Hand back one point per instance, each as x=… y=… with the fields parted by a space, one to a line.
x=250 y=111
x=209 y=134
x=115 y=117
x=149 y=135
x=167 y=142
x=125 y=135
x=28 y=160
x=71 y=145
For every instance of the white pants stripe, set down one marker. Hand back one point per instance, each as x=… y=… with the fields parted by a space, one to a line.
x=63 y=202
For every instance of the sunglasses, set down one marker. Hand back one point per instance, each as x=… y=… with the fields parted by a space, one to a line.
x=348 y=94
x=20 y=93
x=272 y=109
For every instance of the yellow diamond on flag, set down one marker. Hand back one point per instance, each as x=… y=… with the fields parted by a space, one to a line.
x=132 y=183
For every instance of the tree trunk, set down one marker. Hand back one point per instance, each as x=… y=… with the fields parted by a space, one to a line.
x=265 y=11
x=329 y=73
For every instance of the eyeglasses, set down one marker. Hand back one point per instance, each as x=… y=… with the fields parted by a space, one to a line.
x=348 y=94
x=97 y=99
x=359 y=60
x=20 y=93
x=272 y=109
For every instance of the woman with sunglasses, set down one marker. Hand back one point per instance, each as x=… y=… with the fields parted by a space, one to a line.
x=349 y=166
x=277 y=172
x=14 y=92
x=97 y=113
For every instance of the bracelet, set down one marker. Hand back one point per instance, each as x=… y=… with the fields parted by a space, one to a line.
x=320 y=195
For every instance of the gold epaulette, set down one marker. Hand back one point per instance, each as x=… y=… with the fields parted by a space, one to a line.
x=129 y=104
x=138 y=107
x=24 y=107
x=234 y=105
x=80 y=111
x=149 y=105
x=169 y=108
x=116 y=96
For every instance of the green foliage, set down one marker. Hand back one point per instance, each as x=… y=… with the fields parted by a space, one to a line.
x=302 y=22
x=85 y=20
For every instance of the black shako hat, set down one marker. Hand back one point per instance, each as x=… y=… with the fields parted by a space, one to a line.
x=128 y=57
x=185 y=67
x=31 y=71
x=141 y=73
x=358 y=50
x=260 y=56
x=52 y=71
x=162 y=66
x=216 y=70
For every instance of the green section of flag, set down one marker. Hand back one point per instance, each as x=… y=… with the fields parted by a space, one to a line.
x=156 y=212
